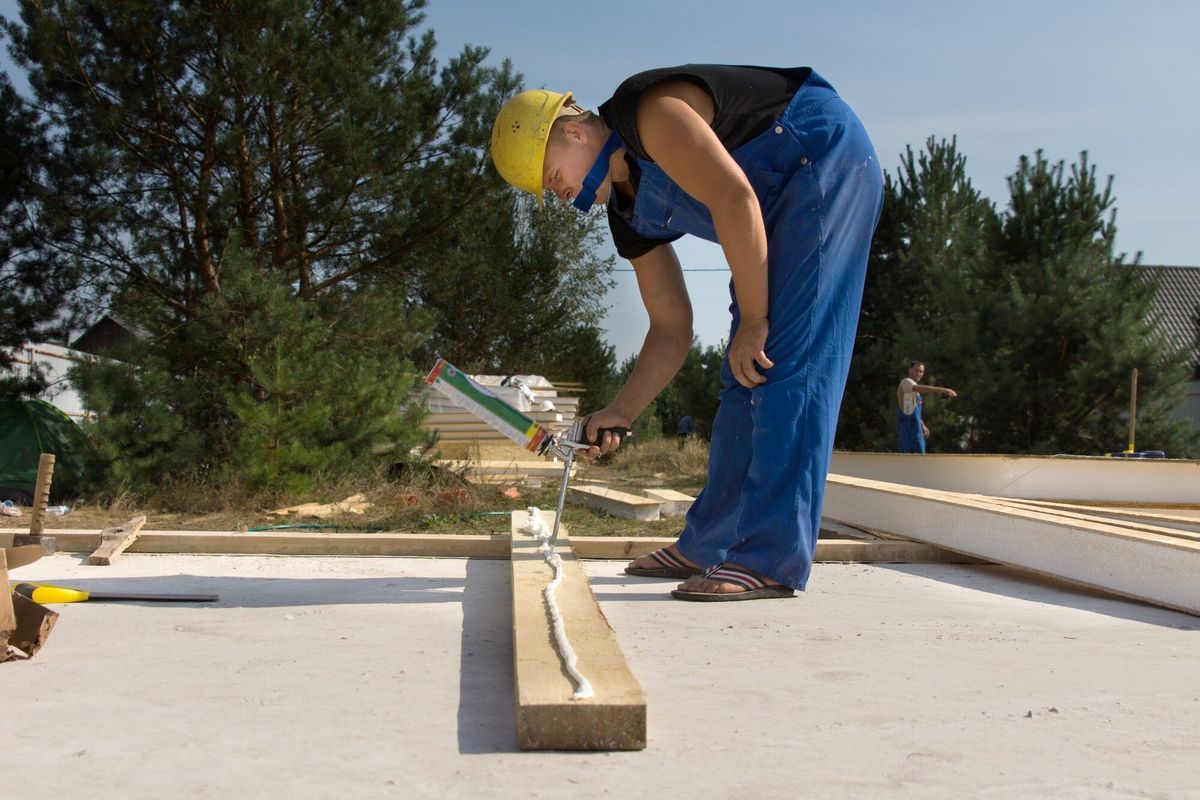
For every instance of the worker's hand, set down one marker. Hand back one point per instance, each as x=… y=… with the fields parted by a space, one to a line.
x=746 y=352
x=951 y=393
x=607 y=417
x=924 y=430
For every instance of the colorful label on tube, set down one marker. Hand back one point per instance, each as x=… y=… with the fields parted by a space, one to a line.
x=458 y=386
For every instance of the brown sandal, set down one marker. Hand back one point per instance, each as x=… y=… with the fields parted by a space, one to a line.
x=672 y=567
x=755 y=587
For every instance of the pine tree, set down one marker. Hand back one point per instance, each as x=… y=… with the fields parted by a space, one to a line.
x=1064 y=321
x=259 y=185
x=33 y=280
x=921 y=297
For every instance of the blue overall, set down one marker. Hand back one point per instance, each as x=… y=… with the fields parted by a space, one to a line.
x=910 y=434
x=820 y=187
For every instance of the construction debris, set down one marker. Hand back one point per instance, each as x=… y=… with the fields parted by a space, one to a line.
x=24 y=624
x=114 y=541
x=354 y=504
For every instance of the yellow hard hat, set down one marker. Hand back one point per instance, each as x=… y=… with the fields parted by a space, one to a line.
x=519 y=137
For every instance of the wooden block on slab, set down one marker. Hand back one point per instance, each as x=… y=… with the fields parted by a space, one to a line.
x=618 y=504
x=614 y=718
x=674 y=504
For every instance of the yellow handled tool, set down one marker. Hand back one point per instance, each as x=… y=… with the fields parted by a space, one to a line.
x=48 y=593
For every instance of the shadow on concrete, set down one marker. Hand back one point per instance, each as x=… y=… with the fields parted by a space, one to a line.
x=486 y=689
x=1021 y=584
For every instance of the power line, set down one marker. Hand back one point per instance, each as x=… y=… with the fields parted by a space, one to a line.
x=698 y=269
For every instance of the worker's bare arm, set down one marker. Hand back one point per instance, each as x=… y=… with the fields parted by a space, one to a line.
x=921 y=388
x=664 y=294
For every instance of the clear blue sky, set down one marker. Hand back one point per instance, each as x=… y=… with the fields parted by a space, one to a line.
x=1118 y=79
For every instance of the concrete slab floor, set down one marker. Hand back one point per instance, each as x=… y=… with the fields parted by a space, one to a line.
x=377 y=677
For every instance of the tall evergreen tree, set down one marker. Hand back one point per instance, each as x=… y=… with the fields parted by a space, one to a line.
x=33 y=279
x=219 y=161
x=520 y=289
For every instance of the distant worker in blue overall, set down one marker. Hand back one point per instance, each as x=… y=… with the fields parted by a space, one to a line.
x=774 y=166
x=911 y=430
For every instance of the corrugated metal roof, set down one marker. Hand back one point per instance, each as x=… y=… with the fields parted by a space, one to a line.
x=1179 y=304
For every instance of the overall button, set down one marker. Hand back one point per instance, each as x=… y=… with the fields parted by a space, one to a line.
x=778 y=129
x=803 y=160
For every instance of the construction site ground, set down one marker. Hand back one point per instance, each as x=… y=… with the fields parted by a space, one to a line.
x=393 y=677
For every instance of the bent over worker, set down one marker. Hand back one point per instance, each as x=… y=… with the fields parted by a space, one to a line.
x=771 y=164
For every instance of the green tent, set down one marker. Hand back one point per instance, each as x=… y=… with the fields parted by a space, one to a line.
x=29 y=428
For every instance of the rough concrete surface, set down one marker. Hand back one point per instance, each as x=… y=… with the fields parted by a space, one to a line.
x=378 y=677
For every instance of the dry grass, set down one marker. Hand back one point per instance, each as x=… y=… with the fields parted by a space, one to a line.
x=671 y=462
x=419 y=499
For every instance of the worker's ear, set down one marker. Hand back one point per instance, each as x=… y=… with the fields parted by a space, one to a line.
x=575 y=131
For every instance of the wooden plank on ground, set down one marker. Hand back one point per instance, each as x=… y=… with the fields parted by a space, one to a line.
x=301 y=543
x=900 y=551
x=114 y=541
x=1145 y=566
x=307 y=543
x=674 y=504
x=618 y=504
x=547 y=718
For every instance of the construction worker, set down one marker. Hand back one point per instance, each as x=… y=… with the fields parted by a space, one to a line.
x=911 y=430
x=774 y=166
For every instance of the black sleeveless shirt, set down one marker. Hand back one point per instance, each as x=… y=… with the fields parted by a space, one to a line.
x=746 y=101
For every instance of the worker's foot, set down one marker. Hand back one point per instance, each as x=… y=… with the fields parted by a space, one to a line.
x=730 y=582
x=664 y=563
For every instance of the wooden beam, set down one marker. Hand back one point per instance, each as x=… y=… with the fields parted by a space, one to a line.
x=547 y=718
x=1151 y=567
x=41 y=493
x=618 y=504
x=8 y=617
x=114 y=541
x=305 y=543
x=301 y=543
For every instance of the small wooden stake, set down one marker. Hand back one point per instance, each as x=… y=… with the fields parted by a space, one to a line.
x=113 y=541
x=41 y=493
x=1132 y=409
